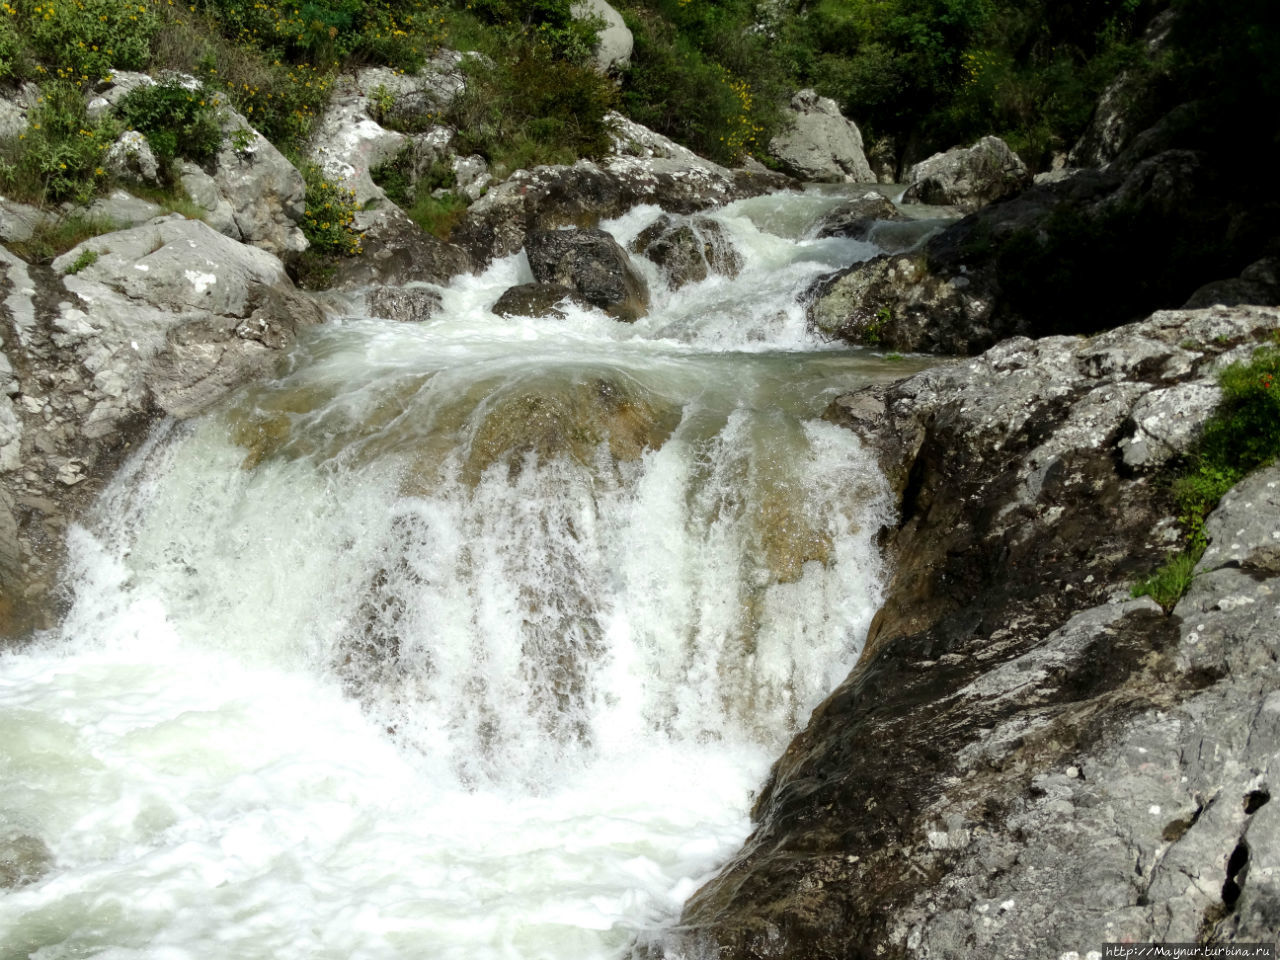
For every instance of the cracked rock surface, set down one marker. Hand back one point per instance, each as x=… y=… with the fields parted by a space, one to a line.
x=1027 y=761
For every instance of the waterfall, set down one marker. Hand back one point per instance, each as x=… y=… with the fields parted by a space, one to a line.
x=468 y=638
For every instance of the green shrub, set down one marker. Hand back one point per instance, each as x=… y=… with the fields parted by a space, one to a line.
x=437 y=215
x=1167 y=585
x=328 y=223
x=177 y=121
x=87 y=39
x=87 y=258
x=532 y=109
x=59 y=157
x=11 y=46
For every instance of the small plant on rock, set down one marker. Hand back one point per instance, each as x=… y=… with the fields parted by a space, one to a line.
x=178 y=121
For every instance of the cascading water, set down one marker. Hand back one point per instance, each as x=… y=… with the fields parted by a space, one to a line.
x=465 y=639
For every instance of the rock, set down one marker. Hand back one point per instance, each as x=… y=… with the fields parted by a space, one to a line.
x=1258 y=283
x=883 y=160
x=407 y=304
x=396 y=252
x=413 y=102
x=614 y=42
x=856 y=217
x=205 y=193
x=688 y=250
x=1167 y=422
x=536 y=300
x=120 y=209
x=24 y=859
x=130 y=159
x=267 y=195
x=968 y=177
x=168 y=318
x=13 y=119
x=1126 y=102
x=471 y=176
x=642 y=167
x=592 y=263
x=820 y=144
x=348 y=143
x=18 y=221
x=1024 y=754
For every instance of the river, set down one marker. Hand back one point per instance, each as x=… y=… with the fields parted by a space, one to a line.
x=463 y=639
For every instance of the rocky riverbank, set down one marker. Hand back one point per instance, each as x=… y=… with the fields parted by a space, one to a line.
x=1027 y=761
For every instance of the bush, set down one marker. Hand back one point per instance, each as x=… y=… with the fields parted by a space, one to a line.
x=59 y=157
x=89 y=38
x=328 y=223
x=532 y=109
x=177 y=121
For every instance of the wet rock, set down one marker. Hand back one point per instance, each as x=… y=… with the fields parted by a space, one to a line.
x=592 y=263
x=1024 y=754
x=819 y=143
x=688 y=250
x=536 y=300
x=855 y=218
x=968 y=177
x=406 y=304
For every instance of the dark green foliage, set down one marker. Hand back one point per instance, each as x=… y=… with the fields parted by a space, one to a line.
x=177 y=121
x=532 y=109
x=59 y=157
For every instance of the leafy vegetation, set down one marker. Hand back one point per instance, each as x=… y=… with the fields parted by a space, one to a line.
x=60 y=155
x=329 y=220
x=178 y=122
x=1241 y=436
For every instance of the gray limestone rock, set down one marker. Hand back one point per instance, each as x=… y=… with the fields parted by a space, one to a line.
x=820 y=144
x=614 y=42
x=130 y=159
x=266 y=193
x=968 y=177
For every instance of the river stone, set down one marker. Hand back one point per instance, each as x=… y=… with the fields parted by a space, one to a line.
x=968 y=177
x=818 y=143
x=536 y=300
x=688 y=250
x=614 y=42
x=1024 y=753
x=397 y=251
x=592 y=263
x=855 y=218
x=24 y=859
x=410 y=304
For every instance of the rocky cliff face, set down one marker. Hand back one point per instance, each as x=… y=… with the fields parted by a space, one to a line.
x=1027 y=761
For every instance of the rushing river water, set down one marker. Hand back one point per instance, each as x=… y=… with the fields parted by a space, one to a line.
x=466 y=639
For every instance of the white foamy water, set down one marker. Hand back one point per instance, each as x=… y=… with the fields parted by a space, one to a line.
x=468 y=639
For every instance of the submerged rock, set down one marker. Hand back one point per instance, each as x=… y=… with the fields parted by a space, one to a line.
x=855 y=218
x=592 y=263
x=1025 y=754
x=24 y=859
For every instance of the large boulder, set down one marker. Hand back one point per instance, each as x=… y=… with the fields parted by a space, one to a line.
x=265 y=193
x=688 y=249
x=164 y=318
x=818 y=143
x=614 y=42
x=968 y=177
x=1025 y=754
x=536 y=300
x=592 y=263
